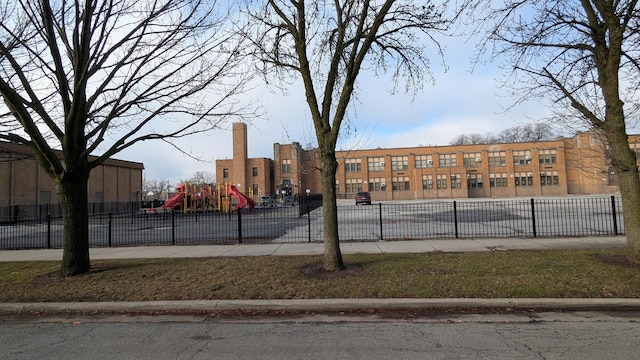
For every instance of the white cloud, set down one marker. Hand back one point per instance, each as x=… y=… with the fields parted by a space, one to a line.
x=460 y=102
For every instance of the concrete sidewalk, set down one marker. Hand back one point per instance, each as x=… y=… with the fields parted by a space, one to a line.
x=374 y=247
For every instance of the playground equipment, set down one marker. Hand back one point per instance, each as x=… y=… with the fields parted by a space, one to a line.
x=243 y=200
x=176 y=199
x=192 y=198
x=189 y=198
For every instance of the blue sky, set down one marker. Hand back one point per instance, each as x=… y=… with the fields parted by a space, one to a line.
x=460 y=101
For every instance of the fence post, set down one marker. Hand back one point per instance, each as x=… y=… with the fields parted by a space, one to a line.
x=455 y=217
x=380 y=215
x=615 y=217
x=533 y=218
x=48 y=231
x=109 y=233
x=309 y=222
x=173 y=228
x=239 y=225
x=16 y=213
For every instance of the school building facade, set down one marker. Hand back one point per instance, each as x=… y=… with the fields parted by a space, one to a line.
x=23 y=182
x=576 y=165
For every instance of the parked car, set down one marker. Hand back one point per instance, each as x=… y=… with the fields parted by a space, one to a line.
x=289 y=200
x=363 y=197
x=267 y=201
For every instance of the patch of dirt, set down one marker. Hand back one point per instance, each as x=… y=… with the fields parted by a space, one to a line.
x=618 y=260
x=53 y=276
x=317 y=271
x=46 y=278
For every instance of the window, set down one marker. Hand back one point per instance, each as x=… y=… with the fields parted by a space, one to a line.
x=447 y=160
x=352 y=165
x=377 y=184
x=456 y=181
x=423 y=161
x=547 y=156
x=337 y=186
x=475 y=181
x=375 y=163
x=549 y=178
x=286 y=166
x=522 y=157
x=498 y=158
x=498 y=180
x=523 y=179
x=427 y=182
x=254 y=171
x=441 y=181
x=225 y=173
x=399 y=162
x=353 y=185
x=471 y=159
x=400 y=183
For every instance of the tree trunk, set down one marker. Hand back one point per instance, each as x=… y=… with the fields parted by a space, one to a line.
x=630 y=192
x=624 y=161
x=332 y=254
x=72 y=192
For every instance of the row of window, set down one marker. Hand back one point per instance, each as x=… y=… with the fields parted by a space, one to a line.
x=453 y=181
x=254 y=172
x=443 y=181
x=286 y=169
x=470 y=160
x=399 y=163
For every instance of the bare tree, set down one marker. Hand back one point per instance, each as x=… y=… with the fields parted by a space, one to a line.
x=328 y=44
x=583 y=56
x=526 y=133
x=202 y=177
x=470 y=139
x=100 y=76
x=158 y=186
x=515 y=134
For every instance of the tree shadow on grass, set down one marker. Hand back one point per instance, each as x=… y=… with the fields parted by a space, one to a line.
x=620 y=260
x=100 y=267
x=317 y=271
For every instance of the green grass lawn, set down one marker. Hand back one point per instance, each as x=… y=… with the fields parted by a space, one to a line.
x=500 y=274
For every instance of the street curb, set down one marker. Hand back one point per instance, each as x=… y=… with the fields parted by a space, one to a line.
x=322 y=305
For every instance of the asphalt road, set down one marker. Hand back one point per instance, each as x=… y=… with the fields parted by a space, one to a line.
x=531 y=336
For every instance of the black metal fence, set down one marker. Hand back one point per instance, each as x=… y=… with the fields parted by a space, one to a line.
x=528 y=218
x=17 y=213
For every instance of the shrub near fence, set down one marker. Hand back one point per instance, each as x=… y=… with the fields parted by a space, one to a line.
x=574 y=217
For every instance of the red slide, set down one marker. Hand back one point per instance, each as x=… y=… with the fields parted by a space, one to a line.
x=174 y=201
x=243 y=200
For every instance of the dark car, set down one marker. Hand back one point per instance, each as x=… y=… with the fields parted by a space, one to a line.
x=267 y=201
x=363 y=197
x=289 y=200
